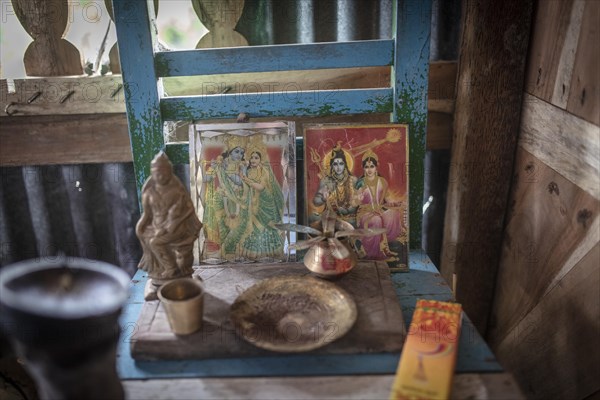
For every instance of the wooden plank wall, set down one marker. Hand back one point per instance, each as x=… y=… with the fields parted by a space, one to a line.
x=545 y=321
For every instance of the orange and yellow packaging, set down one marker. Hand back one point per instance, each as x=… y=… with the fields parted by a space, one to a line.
x=428 y=358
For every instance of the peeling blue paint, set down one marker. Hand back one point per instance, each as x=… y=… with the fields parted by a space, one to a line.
x=373 y=53
x=278 y=104
x=411 y=32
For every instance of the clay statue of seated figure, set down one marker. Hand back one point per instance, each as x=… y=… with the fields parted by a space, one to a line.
x=168 y=226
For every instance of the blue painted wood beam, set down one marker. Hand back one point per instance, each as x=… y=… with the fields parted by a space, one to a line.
x=411 y=31
x=277 y=104
x=178 y=153
x=368 y=53
x=134 y=21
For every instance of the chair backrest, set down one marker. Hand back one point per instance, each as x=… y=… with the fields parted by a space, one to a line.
x=142 y=65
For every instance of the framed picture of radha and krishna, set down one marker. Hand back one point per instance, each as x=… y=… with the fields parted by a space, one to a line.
x=360 y=172
x=242 y=179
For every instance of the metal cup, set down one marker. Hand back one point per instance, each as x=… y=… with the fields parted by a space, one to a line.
x=183 y=300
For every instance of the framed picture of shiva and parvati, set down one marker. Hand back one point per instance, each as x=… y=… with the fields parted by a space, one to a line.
x=360 y=172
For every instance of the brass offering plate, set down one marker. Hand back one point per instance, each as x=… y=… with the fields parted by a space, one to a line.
x=293 y=313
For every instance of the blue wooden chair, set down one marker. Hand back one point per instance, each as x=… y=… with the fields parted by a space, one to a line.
x=147 y=108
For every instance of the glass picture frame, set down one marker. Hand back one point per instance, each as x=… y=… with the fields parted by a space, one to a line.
x=243 y=178
x=361 y=172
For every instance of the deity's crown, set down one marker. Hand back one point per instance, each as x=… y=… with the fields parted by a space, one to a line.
x=256 y=144
x=234 y=141
x=161 y=161
x=370 y=154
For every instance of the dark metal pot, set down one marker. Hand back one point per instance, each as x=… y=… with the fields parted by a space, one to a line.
x=61 y=317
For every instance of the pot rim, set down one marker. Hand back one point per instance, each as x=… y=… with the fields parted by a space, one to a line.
x=23 y=302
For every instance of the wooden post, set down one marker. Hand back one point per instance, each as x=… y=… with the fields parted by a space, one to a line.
x=411 y=31
x=136 y=28
x=486 y=125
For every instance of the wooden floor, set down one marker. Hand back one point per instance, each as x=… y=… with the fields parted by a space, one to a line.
x=499 y=386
